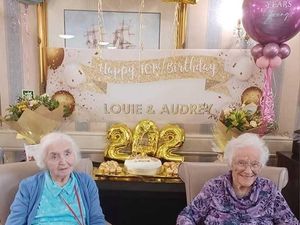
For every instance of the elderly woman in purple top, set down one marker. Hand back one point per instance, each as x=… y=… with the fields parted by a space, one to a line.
x=240 y=196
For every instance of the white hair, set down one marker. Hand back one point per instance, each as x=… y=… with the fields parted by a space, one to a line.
x=49 y=139
x=243 y=141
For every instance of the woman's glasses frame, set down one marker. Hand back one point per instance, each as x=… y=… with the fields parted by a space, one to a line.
x=244 y=164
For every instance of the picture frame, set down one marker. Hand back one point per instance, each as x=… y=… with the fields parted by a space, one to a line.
x=51 y=24
x=27 y=94
x=121 y=30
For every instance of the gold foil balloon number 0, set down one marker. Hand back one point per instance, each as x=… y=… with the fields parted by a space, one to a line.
x=145 y=138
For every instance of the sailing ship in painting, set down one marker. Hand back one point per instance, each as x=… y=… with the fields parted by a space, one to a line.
x=92 y=36
x=121 y=37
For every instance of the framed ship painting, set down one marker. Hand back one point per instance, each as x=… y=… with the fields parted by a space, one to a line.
x=122 y=30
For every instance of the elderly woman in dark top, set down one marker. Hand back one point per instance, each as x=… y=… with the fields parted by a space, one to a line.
x=57 y=195
x=240 y=196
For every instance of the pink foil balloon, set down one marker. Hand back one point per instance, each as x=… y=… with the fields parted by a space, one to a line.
x=257 y=51
x=284 y=51
x=271 y=21
x=275 y=62
x=271 y=50
x=262 y=62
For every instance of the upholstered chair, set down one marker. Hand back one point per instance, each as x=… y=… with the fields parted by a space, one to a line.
x=195 y=174
x=12 y=173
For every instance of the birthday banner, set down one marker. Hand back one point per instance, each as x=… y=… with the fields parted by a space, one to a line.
x=167 y=86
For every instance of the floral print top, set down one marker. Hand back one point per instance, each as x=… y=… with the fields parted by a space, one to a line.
x=218 y=204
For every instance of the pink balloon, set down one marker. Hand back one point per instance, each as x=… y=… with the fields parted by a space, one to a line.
x=254 y=59
x=284 y=51
x=257 y=51
x=271 y=50
x=269 y=21
x=275 y=62
x=262 y=62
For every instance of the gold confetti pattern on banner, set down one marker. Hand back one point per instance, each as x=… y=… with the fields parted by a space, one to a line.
x=102 y=71
x=95 y=86
x=210 y=83
x=216 y=86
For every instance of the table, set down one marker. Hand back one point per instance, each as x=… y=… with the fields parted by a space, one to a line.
x=292 y=189
x=141 y=203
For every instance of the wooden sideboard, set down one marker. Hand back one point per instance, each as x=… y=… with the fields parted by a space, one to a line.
x=136 y=203
x=292 y=189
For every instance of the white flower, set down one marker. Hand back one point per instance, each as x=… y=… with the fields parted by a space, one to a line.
x=33 y=102
x=227 y=112
x=253 y=123
x=45 y=95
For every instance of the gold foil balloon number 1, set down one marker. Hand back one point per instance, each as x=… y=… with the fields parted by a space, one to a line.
x=146 y=140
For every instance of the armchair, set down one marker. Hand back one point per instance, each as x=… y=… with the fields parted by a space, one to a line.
x=195 y=174
x=12 y=173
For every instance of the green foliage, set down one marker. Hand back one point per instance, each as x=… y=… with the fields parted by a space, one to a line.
x=241 y=118
x=15 y=111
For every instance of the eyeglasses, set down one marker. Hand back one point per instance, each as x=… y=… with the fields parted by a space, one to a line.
x=243 y=164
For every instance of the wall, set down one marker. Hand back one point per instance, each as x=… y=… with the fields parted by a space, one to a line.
x=19 y=55
x=3 y=63
x=24 y=75
x=208 y=33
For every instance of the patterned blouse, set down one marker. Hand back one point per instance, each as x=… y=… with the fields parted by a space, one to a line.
x=218 y=204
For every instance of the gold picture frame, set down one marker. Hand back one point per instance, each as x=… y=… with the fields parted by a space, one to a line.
x=43 y=35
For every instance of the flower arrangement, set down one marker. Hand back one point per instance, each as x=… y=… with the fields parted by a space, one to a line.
x=34 y=117
x=242 y=118
x=239 y=118
x=233 y=121
x=23 y=103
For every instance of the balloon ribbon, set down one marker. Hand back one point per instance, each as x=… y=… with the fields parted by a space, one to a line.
x=267 y=102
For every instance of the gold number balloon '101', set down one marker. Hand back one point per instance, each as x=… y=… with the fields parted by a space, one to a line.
x=146 y=140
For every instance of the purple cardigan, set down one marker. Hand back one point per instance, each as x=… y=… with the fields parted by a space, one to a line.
x=217 y=204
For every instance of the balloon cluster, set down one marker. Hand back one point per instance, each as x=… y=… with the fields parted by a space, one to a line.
x=270 y=55
x=271 y=23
